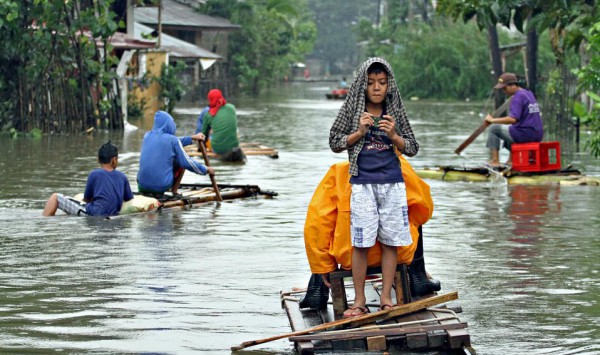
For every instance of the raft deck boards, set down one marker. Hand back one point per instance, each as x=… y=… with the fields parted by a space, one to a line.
x=448 y=333
x=247 y=148
x=191 y=195
x=466 y=174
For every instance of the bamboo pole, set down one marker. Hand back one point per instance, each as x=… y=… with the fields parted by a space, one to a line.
x=482 y=128
x=393 y=312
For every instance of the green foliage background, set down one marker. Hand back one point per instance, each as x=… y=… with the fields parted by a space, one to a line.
x=51 y=75
x=273 y=35
x=443 y=59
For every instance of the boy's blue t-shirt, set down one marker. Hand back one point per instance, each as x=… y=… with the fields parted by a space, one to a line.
x=106 y=191
x=377 y=161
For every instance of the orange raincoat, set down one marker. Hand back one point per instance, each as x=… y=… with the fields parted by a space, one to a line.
x=327 y=226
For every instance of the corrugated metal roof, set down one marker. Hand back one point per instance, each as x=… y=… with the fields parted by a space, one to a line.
x=178 y=48
x=123 y=41
x=180 y=15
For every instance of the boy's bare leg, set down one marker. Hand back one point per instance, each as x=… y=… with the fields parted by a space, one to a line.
x=389 y=260
x=177 y=182
x=51 y=206
x=359 y=274
x=494 y=157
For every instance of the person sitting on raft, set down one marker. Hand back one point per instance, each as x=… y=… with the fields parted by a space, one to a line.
x=163 y=159
x=221 y=118
x=105 y=189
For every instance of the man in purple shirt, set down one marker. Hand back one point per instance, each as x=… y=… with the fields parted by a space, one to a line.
x=523 y=123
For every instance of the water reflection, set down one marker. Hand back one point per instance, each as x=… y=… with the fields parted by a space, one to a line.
x=528 y=205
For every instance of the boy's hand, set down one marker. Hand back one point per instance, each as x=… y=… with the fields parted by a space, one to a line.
x=366 y=121
x=388 y=125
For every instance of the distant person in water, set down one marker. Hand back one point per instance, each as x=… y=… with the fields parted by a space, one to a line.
x=163 y=159
x=105 y=190
x=523 y=124
x=343 y=83
x=221 y=118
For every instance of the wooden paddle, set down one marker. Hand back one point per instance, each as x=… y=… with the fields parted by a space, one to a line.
x=212 y=177
x=395 y=311
x=482 y=128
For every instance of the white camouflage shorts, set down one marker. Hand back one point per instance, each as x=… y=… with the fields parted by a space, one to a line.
x=379 y=212
x=70 y=205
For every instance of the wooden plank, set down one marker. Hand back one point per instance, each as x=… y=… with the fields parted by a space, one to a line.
x=482 y=127
x=436 y=338
x=376 y=343
x=338 y=295
x=292 y=308
x=363 y=334
x=357 y=321
x=457 y=338
x=401 y=285
x=417 y=340
x=399 y=310
x=248 y=149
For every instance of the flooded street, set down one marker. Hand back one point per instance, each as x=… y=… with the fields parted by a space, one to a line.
x=523 y=259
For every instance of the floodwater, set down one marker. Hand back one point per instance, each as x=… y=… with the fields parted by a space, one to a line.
x=524 y=259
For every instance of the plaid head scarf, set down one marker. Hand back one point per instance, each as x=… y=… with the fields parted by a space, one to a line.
x=348 y=118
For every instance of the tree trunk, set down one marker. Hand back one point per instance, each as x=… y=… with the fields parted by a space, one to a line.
x=532 y=50
x=496 y=61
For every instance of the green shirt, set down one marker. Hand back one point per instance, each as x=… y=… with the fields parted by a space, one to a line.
x=224 y=127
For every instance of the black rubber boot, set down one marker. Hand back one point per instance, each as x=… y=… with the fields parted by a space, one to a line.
x=317 y=294
x=420 y=285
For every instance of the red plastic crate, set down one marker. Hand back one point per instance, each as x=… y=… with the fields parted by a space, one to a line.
x=533 y=157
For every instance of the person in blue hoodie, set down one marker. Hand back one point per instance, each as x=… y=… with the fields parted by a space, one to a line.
x=163 y=159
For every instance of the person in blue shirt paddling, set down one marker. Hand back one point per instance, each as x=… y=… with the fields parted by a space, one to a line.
x=523 y=124
x=163 y=159
x=105 y=190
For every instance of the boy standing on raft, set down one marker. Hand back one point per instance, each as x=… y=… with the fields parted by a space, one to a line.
x=370 y=125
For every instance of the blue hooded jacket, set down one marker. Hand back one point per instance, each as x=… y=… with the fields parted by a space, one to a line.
x=162 y=153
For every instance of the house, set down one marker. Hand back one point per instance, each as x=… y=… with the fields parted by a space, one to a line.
x=183 y=22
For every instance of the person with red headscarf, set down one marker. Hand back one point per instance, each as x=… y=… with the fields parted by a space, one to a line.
x=221 y=118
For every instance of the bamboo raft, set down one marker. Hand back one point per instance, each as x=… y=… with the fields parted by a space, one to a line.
x=422 y=324
x=190 y=195
x=193 y=194
x=247 y=148
x=466 y=174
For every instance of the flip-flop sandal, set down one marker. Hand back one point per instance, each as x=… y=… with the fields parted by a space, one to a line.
x=363 y=311
x=384 y=307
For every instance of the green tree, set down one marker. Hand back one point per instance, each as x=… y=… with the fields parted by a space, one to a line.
x=52 y=76
x=171 y=88
x=589 y=80
x=273 y=35
x=567 y=23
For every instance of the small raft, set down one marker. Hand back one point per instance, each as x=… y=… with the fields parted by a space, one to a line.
x=191 y=195
x=337 y=94
x=247 y=148
x=466 y=174
x=423 y=324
